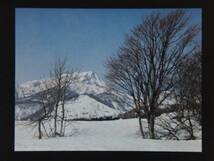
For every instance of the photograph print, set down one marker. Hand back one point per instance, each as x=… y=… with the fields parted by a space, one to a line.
x=108 y=79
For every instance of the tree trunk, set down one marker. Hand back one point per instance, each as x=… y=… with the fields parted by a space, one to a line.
x=62 y=119
x=39 y=129
x=45 y=129
x=151 y=124
x=141 y=127
x=192 y=137
x=55 y=120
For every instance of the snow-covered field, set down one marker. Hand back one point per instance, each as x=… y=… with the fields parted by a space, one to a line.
x=117 y=135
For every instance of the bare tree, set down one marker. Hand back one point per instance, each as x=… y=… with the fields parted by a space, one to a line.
x=52 y=98
x=145 y=66
x=61 y=79
x=44 y=114
x=68 y=79
x=188 y=92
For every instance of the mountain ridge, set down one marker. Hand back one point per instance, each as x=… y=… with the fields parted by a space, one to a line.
x=88 y=84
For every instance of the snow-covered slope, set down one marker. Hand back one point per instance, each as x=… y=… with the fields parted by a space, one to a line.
x=86 y=107
x=24 y=111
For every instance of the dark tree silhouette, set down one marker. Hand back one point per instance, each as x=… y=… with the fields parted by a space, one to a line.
x=145 y=66
x=188 y=93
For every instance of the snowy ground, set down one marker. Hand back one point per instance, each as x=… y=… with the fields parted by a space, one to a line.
x=117 y=135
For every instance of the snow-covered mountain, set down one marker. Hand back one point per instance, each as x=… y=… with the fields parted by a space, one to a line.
x=91 y=92
x=88 y=82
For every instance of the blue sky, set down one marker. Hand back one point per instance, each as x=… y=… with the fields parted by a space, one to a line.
x=86 y=37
